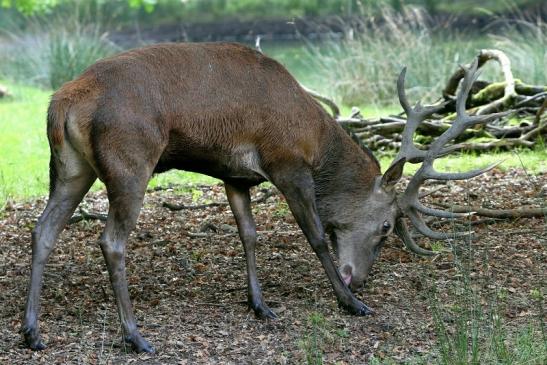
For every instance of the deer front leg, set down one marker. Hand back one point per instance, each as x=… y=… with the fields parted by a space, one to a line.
x=297 y=186
x=240 y=202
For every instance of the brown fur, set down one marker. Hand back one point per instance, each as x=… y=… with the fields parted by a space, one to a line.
x=197 y=101
x=77 y=91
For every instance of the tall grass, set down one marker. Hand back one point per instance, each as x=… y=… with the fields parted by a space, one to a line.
x=362 y=66
x=473 y=329
x=525 y=42
x=50 y=53
x=71 y=51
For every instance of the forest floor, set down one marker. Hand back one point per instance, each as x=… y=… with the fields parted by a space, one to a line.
x=186 y=272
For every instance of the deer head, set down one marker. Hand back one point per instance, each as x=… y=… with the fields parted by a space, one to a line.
x=384 y=209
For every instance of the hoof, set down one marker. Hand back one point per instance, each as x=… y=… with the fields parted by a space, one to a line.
x=32 y=339
x=356 y=308
x=139 y=344
x=263 y=311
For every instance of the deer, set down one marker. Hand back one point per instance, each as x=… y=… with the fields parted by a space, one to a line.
x=229 y=111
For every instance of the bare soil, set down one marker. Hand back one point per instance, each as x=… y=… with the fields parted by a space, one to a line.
x=186 y=274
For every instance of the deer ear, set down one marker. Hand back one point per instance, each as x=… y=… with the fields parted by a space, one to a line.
x=393 y=174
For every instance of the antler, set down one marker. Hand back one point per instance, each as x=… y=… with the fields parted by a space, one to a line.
x=408 y=201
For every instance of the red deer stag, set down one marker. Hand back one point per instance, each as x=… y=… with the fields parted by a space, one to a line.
x=227 y=111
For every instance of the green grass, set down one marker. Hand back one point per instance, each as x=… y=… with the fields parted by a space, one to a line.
x=474 y=329
x=24 y=152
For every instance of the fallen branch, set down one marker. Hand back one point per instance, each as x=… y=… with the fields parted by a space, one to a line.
x=537 y=119
x=497 y=213
x=266 y=193
x=175 y=207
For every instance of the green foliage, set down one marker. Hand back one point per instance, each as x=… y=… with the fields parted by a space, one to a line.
x=24 y=153
x=311 y=344
x=169 y=11
x=30 y=6
x=281 y=210
x=363 y=66
x=525 y=43
x=49 y=52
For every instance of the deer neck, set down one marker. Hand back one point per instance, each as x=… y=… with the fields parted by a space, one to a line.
x=344 y=177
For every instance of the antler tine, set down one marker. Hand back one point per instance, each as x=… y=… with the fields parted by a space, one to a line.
x=422 y=227
x=401 y=230
x=470 y=76
x=415 y=116
x=408 y=201
x=439 y=213
x=432 y=174
x=401 y=91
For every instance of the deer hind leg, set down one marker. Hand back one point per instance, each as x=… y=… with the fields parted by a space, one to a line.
x=240 y=202
x=125 y=197
x=70 y=178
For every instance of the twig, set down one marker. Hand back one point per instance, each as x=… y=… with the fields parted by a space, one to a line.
x=329 y=102
x=518 y=231
x=257 y=43
x=86 y=216
x=467 y=222
x=210 y=304
x=541 y=110
x=531 y=98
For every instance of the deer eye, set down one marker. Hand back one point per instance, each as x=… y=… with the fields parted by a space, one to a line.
x=386 y=227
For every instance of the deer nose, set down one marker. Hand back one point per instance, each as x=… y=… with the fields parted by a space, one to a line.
x=346 y=273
